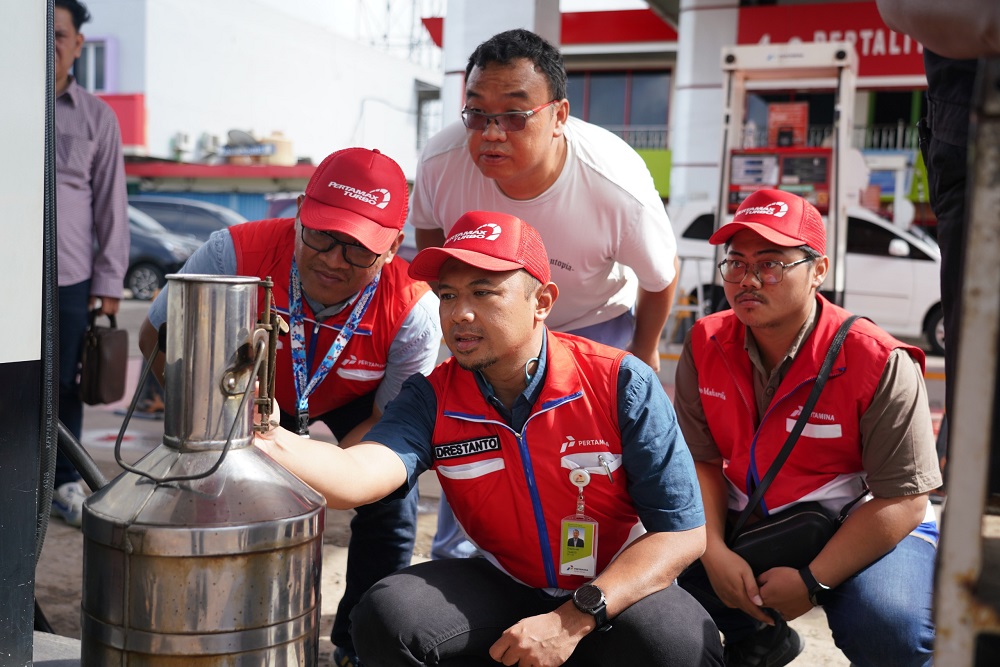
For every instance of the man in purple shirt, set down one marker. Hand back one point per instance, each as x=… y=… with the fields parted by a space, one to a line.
x=91 y=205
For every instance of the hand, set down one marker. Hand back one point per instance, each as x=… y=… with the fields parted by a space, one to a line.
x=783 y=590
x=257 y=416
x=109 y=305
x=266 y=441
x=547 y=640
x=734 y=583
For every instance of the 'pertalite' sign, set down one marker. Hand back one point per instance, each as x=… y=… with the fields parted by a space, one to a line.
x=881 y=52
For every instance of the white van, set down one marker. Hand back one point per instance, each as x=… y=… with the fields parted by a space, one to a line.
x=892 y=275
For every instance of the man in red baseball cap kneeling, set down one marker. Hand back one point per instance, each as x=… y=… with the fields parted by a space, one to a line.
x=359 y=327
x=865 y=451
x=533 y=435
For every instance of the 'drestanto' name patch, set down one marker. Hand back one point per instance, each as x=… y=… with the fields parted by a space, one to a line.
x=467 y=448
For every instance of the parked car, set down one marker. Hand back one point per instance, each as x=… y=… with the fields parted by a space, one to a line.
x=186 y=216
x=283 y=206
x=154 y=252
x=892 y=275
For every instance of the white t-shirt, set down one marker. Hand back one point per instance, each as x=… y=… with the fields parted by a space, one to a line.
x=603 y=223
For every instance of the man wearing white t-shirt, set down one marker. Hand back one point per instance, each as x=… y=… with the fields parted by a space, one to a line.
x=588 y=193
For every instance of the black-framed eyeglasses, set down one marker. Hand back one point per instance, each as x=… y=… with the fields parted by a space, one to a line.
x=354 y=254
x=508 y=121
x=769 y=272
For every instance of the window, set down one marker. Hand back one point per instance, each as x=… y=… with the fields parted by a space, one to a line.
x=167 y=215
x=200 y=224
x=576 y=84
x=702 y=227
x=649 y=98
x=198 y=221
x=891 y=107
x=428 y=112
x=606 y=103
x=866 y=238
x=90 y=69
x=633 y=104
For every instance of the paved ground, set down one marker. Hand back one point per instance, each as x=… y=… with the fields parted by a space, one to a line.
x=59 y=573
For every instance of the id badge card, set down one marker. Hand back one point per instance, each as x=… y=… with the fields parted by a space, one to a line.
x=578 y=534
x=579 y=546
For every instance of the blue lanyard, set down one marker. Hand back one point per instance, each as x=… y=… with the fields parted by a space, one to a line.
x=304 y=386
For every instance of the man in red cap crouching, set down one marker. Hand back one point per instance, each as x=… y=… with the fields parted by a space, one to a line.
x=359 y=327
x=742 y=381
x=533 y=435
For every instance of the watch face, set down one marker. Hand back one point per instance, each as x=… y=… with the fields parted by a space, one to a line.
x=588 y=596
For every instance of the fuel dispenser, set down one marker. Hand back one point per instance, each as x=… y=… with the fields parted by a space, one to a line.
x=806 y=171
x=817 y=173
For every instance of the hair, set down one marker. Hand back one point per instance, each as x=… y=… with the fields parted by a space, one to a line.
x=77 y=10
x=810 y=252
x=531 y=283
x=505 y=47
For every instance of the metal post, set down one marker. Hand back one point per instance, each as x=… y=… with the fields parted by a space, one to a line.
x=967 y=605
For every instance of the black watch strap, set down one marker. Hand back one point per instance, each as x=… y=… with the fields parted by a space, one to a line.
x=590 y=600
x=814 y=588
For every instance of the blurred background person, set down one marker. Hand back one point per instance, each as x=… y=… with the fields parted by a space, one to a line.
x=92 y=231
x=954 y=34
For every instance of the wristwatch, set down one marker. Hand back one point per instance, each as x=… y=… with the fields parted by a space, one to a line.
x=814 y=587
x=590 y=600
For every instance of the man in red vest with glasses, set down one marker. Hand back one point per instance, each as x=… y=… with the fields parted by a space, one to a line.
x=742 y=380
x=359 y=327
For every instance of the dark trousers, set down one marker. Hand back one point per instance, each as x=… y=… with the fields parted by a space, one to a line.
x=449 y=612
x=947 y=168
x=946 y=174
x=73 y=319
x=382 y=533
x=879 y=617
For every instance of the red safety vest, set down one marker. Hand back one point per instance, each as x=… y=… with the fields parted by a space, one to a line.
x=266 y=248
x=825 y=464
x=510 y=491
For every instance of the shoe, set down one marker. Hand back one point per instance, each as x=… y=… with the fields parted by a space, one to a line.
x=344 y=658
x=67 y=503
x=154 y=404
x=151 y=408
x=774 y=646
x=140 y=413
x=148 y=413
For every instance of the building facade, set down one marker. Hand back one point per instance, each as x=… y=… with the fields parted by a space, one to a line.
x=183 y=74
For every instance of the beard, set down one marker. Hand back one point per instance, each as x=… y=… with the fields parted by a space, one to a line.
x=480 y=365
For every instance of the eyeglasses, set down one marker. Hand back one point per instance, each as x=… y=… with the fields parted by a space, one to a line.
x=354 y=254
x=767 y=273
x=508 y=121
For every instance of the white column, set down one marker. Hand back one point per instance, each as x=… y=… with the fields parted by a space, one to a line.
x=704 y=27
x=469 y=23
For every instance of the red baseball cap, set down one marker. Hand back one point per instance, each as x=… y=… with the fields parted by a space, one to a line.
x=486 y=240
x=358 y=192
x=780 y=217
